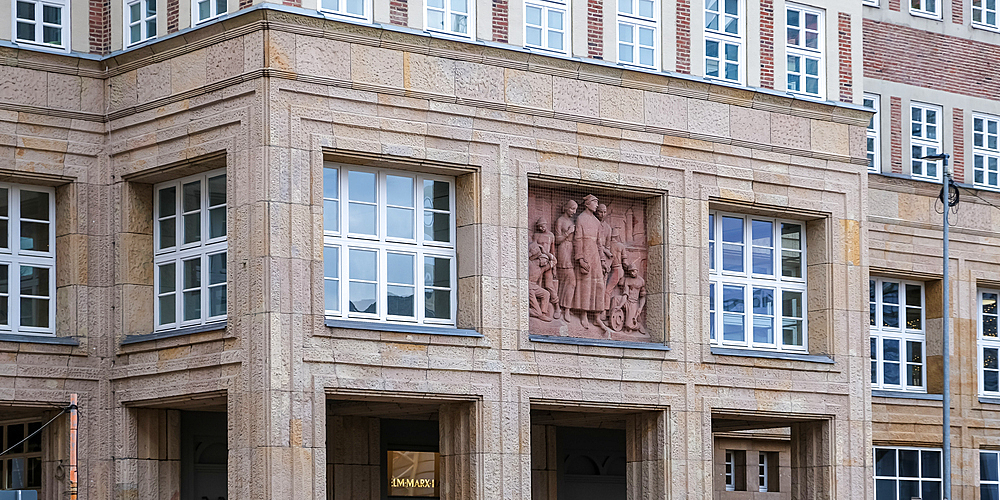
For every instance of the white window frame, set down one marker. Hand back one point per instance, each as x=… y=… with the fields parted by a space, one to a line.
x=14 y=258
x=922 y=11
x=986 y=341
x=214 y=13
x=986 y=151
x=749 y=281
x=143 y=22
x=805 y=53
x=64 y=25
x=340 y=9
x=635 y=23
x=205 y=248
x=928 y=145
x=447 y=10
x=762 y=472
x=547 y=7
x=984 y=11
x=880 y=333
x=25 y=455
x=872 y=133
x=721 y=37
x=870 y=3
x=996 y=473
x=898 y=477
x=730 y=471
x=343 y=241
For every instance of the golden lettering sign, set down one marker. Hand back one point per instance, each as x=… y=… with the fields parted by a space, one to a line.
x=413 y=474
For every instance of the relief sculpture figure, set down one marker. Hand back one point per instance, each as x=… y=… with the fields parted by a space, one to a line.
x=588 y=297
x=616 y=272
x=629 y=302
x=539 y=299
x=565 y=226
x=604 y=237
x=546 y=245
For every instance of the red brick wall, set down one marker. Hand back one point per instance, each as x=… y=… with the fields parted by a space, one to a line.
x=844 y=52
x=958 y=143
x=767 y=44
x=293 y=3
x=399 y=12
x=894 y=5
x=901 y=54
x=500 y=10
x=100 y=26
x=173 y=15
x=956 y=11
x=245 y=3
x=896 y=134
x=683 y=36
x=595 y=29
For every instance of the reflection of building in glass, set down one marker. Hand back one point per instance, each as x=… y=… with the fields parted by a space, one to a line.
x=413 y=474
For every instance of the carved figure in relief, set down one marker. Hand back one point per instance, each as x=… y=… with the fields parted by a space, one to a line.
x=629 y=302
x=616 y=272
x=604 y=237
x=563 y=232
x=546 y=244
x=539 y=298
x=588 y=297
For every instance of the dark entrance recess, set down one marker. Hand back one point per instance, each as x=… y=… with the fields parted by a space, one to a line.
x=591 y=463
x=204 y=456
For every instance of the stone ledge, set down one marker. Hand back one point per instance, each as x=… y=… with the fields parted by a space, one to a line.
x=398 y=328
x=749 y=353
x=909 y=395
x=621 y=344
x=992 y=401
x=177 y=332
x=38 y=339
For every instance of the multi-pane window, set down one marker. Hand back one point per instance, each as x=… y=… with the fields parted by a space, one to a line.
x=453 y=17
x=140 y=21
x=27 y=260
x=545 y=25
x=986 y=151
x=925 y=8
x=357 y=9
x=637 y=32
x=762 y=473
x=43 y=22
x=984 y=13
x=872 y=132
x=757 y=282
x=896 y=321
x=389 y=246
x=730 y=475
x=190 y=250
x=804 y=46
x=21 y=467
x=925 y=140
x=724 y=40
x=905 y=473
x=203 y=10
x=989 y=475
x=989 y=343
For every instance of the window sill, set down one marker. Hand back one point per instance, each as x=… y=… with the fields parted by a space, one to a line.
x=621 y=344
x=790 y=356
x=876 y=393
x=38 y=339
x=989 y=400
x=177 y=332
x=398 y=328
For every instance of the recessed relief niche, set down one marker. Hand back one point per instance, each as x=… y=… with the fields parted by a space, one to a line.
x=587 y=261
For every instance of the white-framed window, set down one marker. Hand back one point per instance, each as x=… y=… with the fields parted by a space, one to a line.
x=189 y=234
x=986 y=151
x=355 y=9
x=730 y=474
x=905 y=473
x=27 y=260
x=452 y=17
x=757 y=276
x=925 y=140
x=804 y=68
x=871 y=3
x=989 y=476
x=896 y=321
x=926 y=8
x=42 y=22
x=762 y=472
x=389 y=246
x=984 y=14
x=638 y=28
x=545 y=25
x=989 y=343
x=724 y=34
x=204 y=10
x=872 y=144
x=21 y=467
x=140 y=21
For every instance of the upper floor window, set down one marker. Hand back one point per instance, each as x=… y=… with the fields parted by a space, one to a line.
x=905 y=473
x=984 y=13
x=986 y=151
x=21 y=466
x=872 y=144
x=190 y=250
x=925 y=140
x=896 y=319
x=545 y=25
x=989 y=344
x=757 y=282
x=140 y=20
x=724 y=40
x=204 y=10
x=873 y=3
x=389 y=246
x=638 y=23
x=42 y=22
x=453 y=17
x=358 y=9
x=27 y=259
x=804 y=46
x=925 y=8
x=989 y=475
